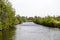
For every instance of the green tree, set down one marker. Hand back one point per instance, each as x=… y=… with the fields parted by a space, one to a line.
x=7 y=14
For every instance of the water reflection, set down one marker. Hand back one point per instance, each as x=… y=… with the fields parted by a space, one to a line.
x=0 y=35
x=7 y=34
x=30 y=31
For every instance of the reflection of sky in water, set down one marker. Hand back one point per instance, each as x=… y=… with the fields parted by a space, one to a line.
x=31 y=32
x=36 y=32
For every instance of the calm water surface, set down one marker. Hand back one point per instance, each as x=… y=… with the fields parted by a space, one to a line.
x=32 y=31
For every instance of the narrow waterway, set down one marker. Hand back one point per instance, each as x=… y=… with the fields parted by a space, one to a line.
x=32 y=31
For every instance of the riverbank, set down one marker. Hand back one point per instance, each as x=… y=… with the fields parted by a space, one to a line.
x=48 y=21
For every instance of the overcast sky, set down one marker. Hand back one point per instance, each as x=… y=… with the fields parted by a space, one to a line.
x=36 y=7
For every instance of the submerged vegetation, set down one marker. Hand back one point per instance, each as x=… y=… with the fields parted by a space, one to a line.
x=48 y=21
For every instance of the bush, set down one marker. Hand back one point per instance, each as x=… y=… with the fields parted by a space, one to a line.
x=48 y=21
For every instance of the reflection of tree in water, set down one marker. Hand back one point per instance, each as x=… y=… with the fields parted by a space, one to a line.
x=8 y=34
x=0 y=35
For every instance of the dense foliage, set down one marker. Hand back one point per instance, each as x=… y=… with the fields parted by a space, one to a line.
x=19 y=19
x=7 y=15
x=48 y=21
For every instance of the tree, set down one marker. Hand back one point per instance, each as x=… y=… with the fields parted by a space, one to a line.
x=7 y=14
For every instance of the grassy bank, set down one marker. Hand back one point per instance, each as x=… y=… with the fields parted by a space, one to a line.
x=48 y=21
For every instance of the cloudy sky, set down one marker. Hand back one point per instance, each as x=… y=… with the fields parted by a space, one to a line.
x=36 y=7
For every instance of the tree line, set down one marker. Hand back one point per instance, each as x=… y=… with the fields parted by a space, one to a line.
x=48 y=21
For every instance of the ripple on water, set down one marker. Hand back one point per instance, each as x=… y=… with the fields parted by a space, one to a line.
x=32 y=31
